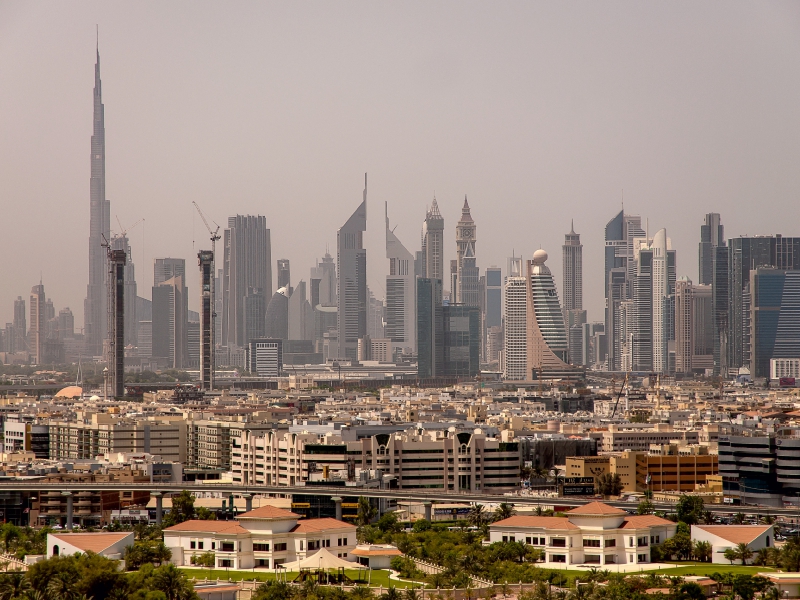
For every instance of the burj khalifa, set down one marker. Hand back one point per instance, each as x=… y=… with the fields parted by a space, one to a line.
x=94 y=307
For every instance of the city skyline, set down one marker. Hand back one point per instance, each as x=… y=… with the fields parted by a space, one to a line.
x=137 y=187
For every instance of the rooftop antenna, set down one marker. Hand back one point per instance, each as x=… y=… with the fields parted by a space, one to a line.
x=623 y=199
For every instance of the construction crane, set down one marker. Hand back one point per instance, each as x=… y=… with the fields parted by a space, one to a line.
x=621 y=389
x=207 y=379
x=123 y=230
x=214 y=234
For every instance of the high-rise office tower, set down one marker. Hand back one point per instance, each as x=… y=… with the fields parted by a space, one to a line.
x=429 y=328
x=165 y=269
x=547 y=344
x=515 y=347
x=255 y=311
x=493 y=316
x=351 y=260
x=95 y=319
x=323 y=282
x=301 y=315
x=775 y=317
x=712 y=234
x=720 y=310
x=66 y=323
x=205 y=260
x=247 y=263
x=116 y=321
x=432 y=260
x=572 y=251
x=37 y=333
x=376 y=316
x=619 y=274
x=467 y=282
x=661 y=303
x=684 y=326
x=20 y=326
x=277 y=317
x=745 y=255
x=120 y=242
x=284 y=275
x=170 y=323
x=461 y=345
x=401 y=319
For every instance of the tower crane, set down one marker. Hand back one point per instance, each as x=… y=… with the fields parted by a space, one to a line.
x=214 y=234
x=124 y=231
x=207 y=379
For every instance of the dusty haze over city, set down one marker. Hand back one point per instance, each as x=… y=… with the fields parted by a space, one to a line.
x=539 y=112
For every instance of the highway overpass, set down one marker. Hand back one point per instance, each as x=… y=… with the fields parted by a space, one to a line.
x=425 y=495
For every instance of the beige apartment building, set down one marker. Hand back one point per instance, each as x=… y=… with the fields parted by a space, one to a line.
x=452 y=460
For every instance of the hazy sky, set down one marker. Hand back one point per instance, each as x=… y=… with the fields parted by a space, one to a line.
x=540 y=112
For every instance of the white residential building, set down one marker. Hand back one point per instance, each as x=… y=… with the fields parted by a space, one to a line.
x=593 y=534
x=724 y=537
x=266 y=537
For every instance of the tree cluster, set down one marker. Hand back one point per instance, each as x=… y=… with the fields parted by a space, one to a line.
x=87 y=576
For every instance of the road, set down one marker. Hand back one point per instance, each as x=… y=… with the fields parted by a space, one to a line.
x=402 y=495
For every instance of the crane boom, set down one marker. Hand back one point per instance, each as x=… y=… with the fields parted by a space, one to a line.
x=215 y=233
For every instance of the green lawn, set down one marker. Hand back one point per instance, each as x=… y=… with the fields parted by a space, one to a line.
x=378 y=578
x=708 y=569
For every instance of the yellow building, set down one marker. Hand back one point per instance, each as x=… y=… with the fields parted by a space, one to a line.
x=588 y=466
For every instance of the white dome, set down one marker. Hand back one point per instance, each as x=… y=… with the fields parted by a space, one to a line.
x=539 y=257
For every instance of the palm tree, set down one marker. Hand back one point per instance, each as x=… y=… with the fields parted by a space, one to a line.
x=391 y=594
x=361 y=592
x=476 y=515
x=169 y=580
x=14 y=586
x=61 y=587
x=743 y=552
x=410 y=594
x=702 y=551
x=162 y=554
x=504 y=510
x=366 y=512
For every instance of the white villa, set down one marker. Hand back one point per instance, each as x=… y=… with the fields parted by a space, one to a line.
x=266 y=537
x=723 y=537
x=593 y=534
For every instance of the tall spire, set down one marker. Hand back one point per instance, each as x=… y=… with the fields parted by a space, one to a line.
x=95 y=319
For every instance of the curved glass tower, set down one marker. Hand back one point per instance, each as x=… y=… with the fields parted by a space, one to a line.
x=546 y=306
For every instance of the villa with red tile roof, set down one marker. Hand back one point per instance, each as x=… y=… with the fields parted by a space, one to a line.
x=265 y=537
x=593 y=534
x=722 y=537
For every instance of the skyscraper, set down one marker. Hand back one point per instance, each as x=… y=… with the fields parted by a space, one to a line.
x=467 y=281
x=433 y=243
x=247 y=264
x=573 y=270
x=547 y=346
x=20 y=343
x=775 y=317
x=165 y=269
x=95 y=318
x=323 y=282
x=301 y=315
x=37 y=332
x=661 y=302
x=429 y=328
x=493 y=321
x=120 y=242
x=284 y=274
x=351 y=260
x=712 y=234
x=170 y=341
x=401 y=320
x=620 y=271
x=515 y=347
x=205 y=260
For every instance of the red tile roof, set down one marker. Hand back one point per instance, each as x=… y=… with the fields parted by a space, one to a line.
x=596 y=508
x=324 y=524
x=638 y=521
x=533 y=521
x=268 y=512
x=208 y=526
x=736 y=534
x=91 y=542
